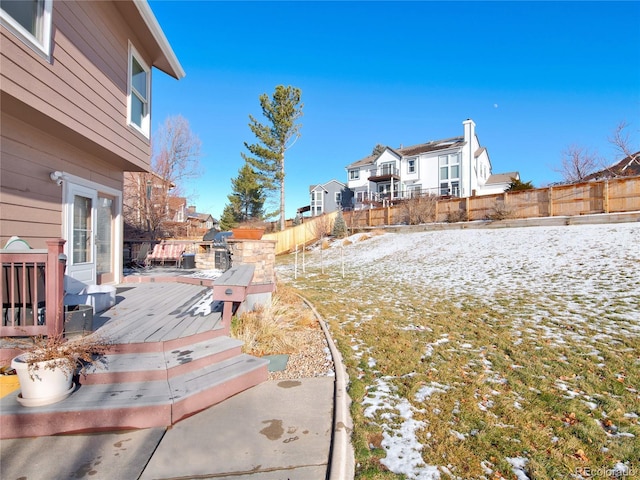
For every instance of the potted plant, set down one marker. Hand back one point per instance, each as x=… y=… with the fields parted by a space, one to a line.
x=46 y=369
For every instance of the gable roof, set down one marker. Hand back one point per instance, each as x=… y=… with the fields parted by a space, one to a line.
x=322 y=186
x=432 y=146
x=497 y=178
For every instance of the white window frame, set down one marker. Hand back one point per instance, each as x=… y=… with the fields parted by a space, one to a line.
x=42 y=45
x=338 y=198
x=146 y=118
x=354 y=174
x=411 y=170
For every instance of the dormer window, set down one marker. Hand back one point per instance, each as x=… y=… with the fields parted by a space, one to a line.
x=29 y=20
x=139 y=92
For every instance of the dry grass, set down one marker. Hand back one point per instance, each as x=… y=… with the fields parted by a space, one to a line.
x=268 y=329
x=512 y=378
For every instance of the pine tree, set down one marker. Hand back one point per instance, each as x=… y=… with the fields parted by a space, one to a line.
x=339 y=226
x=246 y=201
x=274 y=139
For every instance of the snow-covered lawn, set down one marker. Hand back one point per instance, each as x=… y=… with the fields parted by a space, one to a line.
x=568 y=295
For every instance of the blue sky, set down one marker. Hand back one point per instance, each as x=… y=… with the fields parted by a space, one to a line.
x=535 y=77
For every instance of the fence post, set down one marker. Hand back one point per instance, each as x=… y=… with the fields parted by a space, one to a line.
x=56 y=265
x=606 y=195
x=466 y=208
x=550 y=196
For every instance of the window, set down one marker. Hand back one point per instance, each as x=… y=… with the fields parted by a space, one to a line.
x=139 y=92
x=449 y=166
x=354 y=174
x=449 y=174
x=411 y=165
x=29 y=20
x=317 y=197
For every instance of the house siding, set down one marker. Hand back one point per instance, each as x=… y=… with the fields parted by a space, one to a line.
x=82 y=90
x=31 y=204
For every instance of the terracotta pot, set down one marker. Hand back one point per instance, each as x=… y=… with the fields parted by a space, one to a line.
x=42 y=386
x=247 y=233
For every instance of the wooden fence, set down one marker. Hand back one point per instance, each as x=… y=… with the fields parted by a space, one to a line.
x=603 y=196
x=308 y=232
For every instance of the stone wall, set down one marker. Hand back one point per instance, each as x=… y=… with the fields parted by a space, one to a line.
x=261 y=253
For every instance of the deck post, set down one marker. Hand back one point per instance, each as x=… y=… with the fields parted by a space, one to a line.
x=56 y=265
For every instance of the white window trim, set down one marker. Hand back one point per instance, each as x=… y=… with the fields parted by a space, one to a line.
x=354 y=174
x=146 y=122
x=415 y=166
x=42 y=48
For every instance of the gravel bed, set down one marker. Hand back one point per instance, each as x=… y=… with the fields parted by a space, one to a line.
x=313 y=358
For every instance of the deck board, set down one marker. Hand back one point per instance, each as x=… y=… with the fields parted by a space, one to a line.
x=152 y=312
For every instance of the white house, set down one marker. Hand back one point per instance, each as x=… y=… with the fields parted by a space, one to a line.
x=457 y=166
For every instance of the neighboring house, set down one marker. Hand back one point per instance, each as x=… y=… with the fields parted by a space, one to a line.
x=627 y=167
x=199 y=223
x=499 y=182
x=147 y=202
x=75 y=79
x=456 y=166
x=329 y=197
x=185 y=222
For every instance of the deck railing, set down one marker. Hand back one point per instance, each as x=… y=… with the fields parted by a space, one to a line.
x=32 y=290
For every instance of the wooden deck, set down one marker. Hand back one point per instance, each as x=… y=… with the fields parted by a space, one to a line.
x=170 y=358
x=159 y=312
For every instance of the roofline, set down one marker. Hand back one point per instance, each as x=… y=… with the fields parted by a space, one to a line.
x=152 y=24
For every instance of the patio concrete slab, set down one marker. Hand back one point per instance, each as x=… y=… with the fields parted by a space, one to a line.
x=108 y=456
x=278 y=429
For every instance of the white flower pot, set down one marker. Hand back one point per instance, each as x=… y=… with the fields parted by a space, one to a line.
x=42 y=386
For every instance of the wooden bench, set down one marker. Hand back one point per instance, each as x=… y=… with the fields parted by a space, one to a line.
x=232 y=288
x=166 y=252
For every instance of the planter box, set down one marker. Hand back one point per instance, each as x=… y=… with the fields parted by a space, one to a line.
x=247 y=233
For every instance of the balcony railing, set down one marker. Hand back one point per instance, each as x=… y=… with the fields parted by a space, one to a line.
x=364 y=198
x=384 y=171
x=32 y=290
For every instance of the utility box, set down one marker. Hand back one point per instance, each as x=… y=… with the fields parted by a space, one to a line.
x=78 y=319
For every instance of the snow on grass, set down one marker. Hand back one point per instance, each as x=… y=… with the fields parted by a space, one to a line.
x=584 y=283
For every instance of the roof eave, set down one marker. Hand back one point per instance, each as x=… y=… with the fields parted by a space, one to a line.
x=172 y=66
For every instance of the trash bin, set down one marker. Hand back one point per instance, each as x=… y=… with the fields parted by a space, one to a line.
x=188 y=260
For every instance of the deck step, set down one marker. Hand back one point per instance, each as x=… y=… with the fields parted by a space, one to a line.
x=159 y=365
x=137 y=404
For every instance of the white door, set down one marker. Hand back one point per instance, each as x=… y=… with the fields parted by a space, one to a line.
x=81 y=230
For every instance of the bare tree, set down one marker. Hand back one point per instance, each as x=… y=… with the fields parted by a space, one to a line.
x=149 y=198
x=321 y=227
x=621 y=140
x=420 y=209
x=577 y=164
